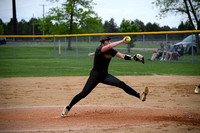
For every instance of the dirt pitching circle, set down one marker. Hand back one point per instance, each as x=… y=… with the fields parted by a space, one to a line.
x=48 y=118
x=34 y=104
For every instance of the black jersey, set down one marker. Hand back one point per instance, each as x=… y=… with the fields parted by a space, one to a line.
x=102 y=59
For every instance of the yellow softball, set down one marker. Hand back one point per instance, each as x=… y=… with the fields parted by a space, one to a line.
x=128 y=38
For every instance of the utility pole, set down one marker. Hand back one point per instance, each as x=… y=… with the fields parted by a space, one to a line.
x=43 y=17
x=14 y=18
x=33 y=27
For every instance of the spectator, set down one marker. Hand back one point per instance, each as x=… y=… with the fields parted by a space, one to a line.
x=180 y=50
x=167 y=52
x=157 y=54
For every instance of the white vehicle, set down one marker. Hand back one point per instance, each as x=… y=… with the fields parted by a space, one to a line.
x=189 y=43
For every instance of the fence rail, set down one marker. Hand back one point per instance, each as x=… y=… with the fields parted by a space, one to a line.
x=108 y=34
x=56 y=46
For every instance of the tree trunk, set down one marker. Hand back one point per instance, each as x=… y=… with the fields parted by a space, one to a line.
x=194 y=14
x=188 y=13
x=71 y=24
x=193 y=26
x=69 y=47
x=70 y=32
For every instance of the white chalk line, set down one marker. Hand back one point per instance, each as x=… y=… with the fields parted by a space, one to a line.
x=59 y=106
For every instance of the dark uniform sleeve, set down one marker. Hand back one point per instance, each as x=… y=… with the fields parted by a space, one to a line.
x=112 y=52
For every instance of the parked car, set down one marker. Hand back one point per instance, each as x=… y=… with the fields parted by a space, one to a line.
x=2 y=40
x=189 y=43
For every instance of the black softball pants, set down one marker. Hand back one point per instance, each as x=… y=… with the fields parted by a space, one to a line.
x=105 y=78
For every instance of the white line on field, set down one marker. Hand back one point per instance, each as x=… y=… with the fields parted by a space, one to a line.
x=59 y=106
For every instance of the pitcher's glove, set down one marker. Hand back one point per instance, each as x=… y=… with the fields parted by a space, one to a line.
x=138 y=57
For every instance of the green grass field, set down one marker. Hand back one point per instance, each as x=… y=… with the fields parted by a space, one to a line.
x=38 y=60
x=82 y=67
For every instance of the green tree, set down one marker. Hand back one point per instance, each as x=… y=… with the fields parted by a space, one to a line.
x=110 y=26
x=91 y=25
x=152 y=27
x=33 y=22
x=165 y=28
x=1 y=27
x=46 y=24
x=141 y=24
x=185 y=26
x=70 y=16
x=20 y=26
x=189 y=8
x=9 y=28
x=129 y=26
x=24 y=28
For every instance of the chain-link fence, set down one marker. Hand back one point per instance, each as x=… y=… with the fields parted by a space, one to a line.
x=79 y=46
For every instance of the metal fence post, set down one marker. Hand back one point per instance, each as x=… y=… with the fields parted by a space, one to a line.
x=89 y=45
x=166 y=38
x=54 y=42
x=166 y=56
x=192 y=51
x=14 y=48
x=76 y=48
x=65 y=47
x=143 y=40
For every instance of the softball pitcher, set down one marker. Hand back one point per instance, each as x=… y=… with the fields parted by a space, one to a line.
x=99 y=72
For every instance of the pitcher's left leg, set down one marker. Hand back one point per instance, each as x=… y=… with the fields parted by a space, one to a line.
x=111 y=80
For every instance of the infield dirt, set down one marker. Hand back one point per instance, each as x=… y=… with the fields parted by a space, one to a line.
x=34 y=104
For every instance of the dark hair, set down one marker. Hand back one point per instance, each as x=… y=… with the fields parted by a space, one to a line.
x=104 y=38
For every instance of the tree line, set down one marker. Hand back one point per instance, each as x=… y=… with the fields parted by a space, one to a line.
x=109 y=26
x=78 y=17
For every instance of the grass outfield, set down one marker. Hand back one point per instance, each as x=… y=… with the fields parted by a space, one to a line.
x=49 y=51
x=82 y=67
x=38 y=60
